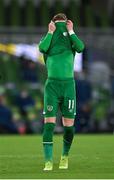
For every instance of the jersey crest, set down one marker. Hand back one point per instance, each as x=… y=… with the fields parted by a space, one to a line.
x=65 y=34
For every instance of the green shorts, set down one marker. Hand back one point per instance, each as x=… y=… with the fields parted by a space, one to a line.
x=60 y=94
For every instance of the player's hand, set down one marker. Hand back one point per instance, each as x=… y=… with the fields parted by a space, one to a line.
x=69 y=25
x=51 y=27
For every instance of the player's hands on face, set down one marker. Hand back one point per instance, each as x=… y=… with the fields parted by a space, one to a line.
x=51 y=27
x=69 y=25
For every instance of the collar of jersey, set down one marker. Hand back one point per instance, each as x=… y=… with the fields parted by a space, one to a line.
x=60 y=21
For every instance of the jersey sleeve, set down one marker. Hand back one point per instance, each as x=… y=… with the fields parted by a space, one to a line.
x=45 y=43
x=77 y=44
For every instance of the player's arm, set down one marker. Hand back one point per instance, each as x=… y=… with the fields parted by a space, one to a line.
x=46 y=41
x=77 y=44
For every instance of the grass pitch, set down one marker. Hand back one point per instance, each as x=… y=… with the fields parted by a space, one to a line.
x=91 y=156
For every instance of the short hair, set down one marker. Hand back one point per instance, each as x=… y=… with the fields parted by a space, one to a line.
x=60 y=16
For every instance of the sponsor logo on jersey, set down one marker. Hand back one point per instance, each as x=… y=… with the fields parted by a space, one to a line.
x=49 y=108
x=65 y=33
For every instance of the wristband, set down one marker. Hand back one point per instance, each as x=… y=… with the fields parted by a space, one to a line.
x=51 y=32
x=71 y=32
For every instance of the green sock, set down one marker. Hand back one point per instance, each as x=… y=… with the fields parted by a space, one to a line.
x=67 y=139
x=48 y=140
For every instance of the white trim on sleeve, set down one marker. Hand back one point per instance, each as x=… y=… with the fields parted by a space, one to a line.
x=71 y=32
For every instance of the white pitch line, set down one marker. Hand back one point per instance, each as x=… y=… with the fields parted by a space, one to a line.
x=19 y=156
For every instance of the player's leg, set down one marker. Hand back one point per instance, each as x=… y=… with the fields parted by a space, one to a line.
x=50 y=110
x=68 y=111
x=68 y=125
x=49 y=124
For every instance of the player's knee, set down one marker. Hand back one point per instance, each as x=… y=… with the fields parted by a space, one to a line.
x=50 y=120
x=68 y=122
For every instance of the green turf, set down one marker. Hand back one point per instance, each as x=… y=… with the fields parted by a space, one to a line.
x=92 y=156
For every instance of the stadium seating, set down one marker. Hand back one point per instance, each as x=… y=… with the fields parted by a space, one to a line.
x=39 y=13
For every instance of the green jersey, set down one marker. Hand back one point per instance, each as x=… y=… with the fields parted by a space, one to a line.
x=59 y=49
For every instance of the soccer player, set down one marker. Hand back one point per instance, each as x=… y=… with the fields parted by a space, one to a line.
x=59 y=47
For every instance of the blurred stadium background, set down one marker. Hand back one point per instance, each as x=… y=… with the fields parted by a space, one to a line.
x=23 y=74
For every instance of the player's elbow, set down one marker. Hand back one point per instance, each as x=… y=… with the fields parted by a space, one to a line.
x=80 y=48
x=42 y=49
